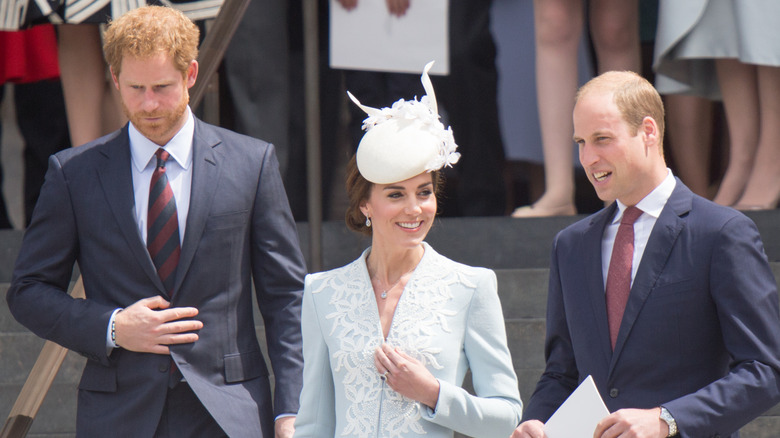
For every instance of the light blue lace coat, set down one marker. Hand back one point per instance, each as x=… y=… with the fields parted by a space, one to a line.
x=449 y=317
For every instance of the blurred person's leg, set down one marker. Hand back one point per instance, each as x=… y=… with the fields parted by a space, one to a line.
x=5 y=222
x=559 y=25
x=40 y=114
x=614 y=30
x=468 y=96
x=689 y=130
x=763 y=187
x=256 y=67
x=739 y=87
x=92 y=108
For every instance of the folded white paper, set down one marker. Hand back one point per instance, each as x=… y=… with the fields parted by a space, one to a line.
x=578 y=416
x=369 y=38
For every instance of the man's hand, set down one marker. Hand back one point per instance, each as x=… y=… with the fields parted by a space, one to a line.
x=529 y=429
x=632 y=423
x=284 y=427
x=406 y=375
x=149 y=326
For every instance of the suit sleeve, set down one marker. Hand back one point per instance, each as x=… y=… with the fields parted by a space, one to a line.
x=317 y=416
x=38 y=296
x=496 y=408
x=560 y=377
x=745 y=292
x=278 y=269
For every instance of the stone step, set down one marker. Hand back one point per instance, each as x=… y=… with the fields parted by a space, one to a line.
x=496 y=242
x=493 y=242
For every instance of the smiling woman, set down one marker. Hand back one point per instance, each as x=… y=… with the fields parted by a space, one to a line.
x=387 y=340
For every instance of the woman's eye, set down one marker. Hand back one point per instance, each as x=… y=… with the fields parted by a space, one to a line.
x=425 y=193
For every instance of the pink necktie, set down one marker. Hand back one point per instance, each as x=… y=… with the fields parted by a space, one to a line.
x=619 y=274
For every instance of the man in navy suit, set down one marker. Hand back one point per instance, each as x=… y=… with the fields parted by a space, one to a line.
x=170 y=338
x=695 y=351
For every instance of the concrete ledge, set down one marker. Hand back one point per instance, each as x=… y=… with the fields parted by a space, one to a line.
x=496 y=242
x=493 y=242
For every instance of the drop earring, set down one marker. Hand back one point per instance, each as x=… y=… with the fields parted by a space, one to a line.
x=368 y=222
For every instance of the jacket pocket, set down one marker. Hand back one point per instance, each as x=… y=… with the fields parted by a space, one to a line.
x=99 y=378
x=227 y=220
x=244 y=366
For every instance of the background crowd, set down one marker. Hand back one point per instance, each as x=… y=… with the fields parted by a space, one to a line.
x=515 y=66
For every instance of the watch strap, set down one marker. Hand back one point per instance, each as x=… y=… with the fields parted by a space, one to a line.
x=667 y=417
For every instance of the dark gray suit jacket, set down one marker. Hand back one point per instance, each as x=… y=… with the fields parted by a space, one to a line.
x=700 y=330
x=239 y=229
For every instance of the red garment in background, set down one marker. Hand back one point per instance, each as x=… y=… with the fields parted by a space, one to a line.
x=29 y=55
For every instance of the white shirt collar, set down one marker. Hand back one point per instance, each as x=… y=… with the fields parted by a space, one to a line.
x=654 y=202
x=180 y=146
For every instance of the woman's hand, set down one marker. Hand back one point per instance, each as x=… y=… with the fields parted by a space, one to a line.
x=348 y=4
x=406 y=375
x=397 y=7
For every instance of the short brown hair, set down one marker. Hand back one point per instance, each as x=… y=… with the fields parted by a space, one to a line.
x=635 y=97
x=148 y=31
x=359 y=190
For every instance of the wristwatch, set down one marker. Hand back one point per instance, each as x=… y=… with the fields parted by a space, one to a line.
x=667 y=417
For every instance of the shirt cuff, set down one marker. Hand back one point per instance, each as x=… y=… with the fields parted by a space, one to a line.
x=110 y=343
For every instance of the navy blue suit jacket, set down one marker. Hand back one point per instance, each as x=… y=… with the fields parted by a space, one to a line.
x=239 y=230
x=700 y=330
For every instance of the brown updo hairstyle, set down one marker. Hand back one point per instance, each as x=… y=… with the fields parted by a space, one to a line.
x=359 y=190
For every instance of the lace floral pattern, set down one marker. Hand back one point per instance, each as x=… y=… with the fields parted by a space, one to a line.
x=421 y=315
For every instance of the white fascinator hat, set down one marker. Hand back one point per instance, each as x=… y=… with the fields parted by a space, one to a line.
x=405 y=140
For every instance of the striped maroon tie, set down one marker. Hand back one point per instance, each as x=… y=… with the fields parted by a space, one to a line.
x=619 y=274
x=162 y=226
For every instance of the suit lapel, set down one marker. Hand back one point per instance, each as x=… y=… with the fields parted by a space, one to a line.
x=662 y=239
x=117 y=181
x=595 y=279
x=205 y=178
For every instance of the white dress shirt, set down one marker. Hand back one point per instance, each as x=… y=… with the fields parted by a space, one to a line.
x=178 y=169
x=179 y=172
x=651 y=206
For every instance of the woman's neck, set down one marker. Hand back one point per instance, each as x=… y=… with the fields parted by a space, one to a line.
x=389 y=265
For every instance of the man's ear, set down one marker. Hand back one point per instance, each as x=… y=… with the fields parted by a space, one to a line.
x=649 y=130
x=192 y=73
x=114 y=77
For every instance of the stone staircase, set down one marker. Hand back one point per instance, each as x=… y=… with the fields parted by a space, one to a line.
x=518 y=250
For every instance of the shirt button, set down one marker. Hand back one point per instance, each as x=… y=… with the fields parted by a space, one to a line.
x=614 y=392
x=163 y=368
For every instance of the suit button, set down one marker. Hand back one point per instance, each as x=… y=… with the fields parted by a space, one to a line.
x=163 y=368
x=614 y=392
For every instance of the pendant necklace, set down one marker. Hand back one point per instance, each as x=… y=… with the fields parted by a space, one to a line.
x=383 y=295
